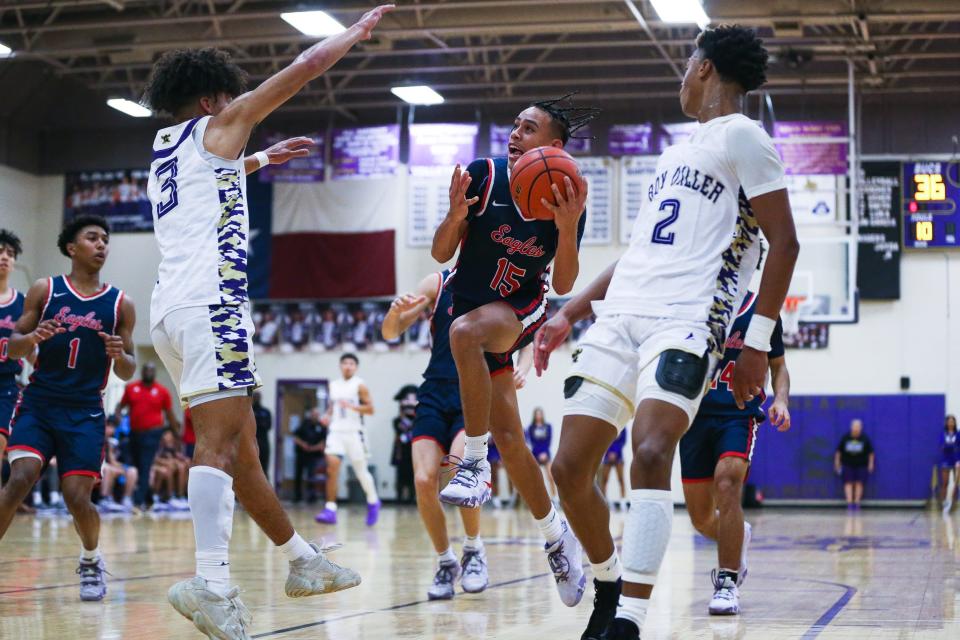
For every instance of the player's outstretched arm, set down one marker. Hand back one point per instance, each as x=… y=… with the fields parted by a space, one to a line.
x=780 y=409
x=227 y=133
x=365 y=408
x=447 y=237
x=119 y=346
x=29 y=331
x=524 y=362
x=566 y=215
x=279 y=153
x=405 y=310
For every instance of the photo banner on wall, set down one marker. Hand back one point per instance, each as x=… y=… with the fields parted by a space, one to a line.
x=815 y=158
x=675 y=133
x=306 y=169
x=598 y=172
x=119 y=195
x=580 y=145
x=366 y=152
x=630 y=139
x=636 y=175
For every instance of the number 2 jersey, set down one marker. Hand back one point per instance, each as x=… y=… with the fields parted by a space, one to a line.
x=502 y=255
x=200 y=221
x=72 y=367
x=719 y=399
x=694 y=248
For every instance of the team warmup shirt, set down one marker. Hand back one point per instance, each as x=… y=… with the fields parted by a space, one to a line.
x=201 y=222
x=719 y=399
x=694 y=244
x=855 y=452
x=343 y=419
x=442 y=365
x=502 y=255
x=72 y=367
x=10 y=311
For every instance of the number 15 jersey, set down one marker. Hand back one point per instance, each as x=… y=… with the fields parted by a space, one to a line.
x=200 y=220
x=693 y=247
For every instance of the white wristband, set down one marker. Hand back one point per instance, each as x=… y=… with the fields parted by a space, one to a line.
x=759 y=332
x=262 y=159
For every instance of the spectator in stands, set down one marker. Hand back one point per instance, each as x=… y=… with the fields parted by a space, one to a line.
x=402 y=454
x=114 y=469
x=949 y=462
x=854 y=460
x=264 y=423
x=310 y=439
x=168 y=475
x=147 y=402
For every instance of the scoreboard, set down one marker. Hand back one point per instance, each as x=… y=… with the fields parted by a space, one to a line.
x=931 y=195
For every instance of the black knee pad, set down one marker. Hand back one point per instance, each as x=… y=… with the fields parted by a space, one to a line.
x=571 y=385
x=682 y=372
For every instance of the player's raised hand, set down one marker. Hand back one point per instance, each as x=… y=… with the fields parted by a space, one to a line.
x=780 y=415
x=570 y=206
x=519 y=379
x=749 y=376
x=368 y=22
x=459 y=203
x=550 y=336
x=406 y=302
x=46 y=330
x=286 y=150
x=113 y=344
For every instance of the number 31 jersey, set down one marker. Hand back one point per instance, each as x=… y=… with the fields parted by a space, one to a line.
x=693 y=247
x=200 y=221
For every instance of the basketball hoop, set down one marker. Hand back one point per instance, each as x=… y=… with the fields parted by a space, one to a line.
x=790 y=314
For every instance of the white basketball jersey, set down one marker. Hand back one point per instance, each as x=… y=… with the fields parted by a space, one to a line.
x=344 y=419
x=694 y=243
x=200 y=221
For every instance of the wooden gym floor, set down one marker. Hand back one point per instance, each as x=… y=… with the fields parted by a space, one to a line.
x=813 y=574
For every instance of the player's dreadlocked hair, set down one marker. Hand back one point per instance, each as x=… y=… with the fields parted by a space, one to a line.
x=72 y=228
x=10 y=239
x=182 y=76
x=568 y=118
x=737 y=53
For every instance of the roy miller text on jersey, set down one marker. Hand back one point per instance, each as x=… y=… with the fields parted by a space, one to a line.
x=692 y=179
x=526 y=248
x=73 y=321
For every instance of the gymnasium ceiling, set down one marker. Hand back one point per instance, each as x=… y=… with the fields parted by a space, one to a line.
x=477 y=53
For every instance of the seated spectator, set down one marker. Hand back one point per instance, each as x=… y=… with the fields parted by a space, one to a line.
x=169 y=474
x=114 y=468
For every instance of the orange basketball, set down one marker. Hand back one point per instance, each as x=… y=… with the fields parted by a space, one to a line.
x=532 y=176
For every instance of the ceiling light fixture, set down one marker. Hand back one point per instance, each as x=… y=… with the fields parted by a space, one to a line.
x=418 y=94
x=319 y=24
x=130 y=107
x=681 y=11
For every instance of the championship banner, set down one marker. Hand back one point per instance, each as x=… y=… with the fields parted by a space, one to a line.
x=366 y=153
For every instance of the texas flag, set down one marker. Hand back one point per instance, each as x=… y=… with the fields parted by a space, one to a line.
x=323 y=239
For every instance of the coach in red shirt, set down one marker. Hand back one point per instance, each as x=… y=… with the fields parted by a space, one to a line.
x=147 y=403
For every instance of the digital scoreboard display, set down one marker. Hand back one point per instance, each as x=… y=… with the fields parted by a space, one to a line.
x=931 y=195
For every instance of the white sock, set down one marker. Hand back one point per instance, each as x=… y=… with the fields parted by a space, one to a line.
x=447 y=556
x=473 y=543
x=476 y=447
x=634 y=610
x=330 y=505
x=646 y=534
x=551 y=526
x=609 y=570
x=88 y=555
x=296 y=548
x=365 y=478
x=211 y=507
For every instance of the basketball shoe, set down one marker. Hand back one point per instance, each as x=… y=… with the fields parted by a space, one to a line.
x=318 y=575
x=726 y=596
x=621 y=629
x=565 y=557
x=471 y=486
x=327 y=516
x=474 y=564
x=447 y=573
x=216 y=616
x=605 y=599
x=93 y=586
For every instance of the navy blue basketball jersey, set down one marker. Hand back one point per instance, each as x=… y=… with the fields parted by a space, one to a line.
x=72 y=367
x=9 y=314
x=442 y=366
x=719 y=399
x=502 y=255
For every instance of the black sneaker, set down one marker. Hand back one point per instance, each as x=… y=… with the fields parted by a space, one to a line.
x=605 y=599
x=621 y=629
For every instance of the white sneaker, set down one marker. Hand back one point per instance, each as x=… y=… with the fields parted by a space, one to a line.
x=474 y=564
x=216 y=616
x=747 y=535
x=565 y=557
x=161 y=507
x=471 y=486
x=726 y=597
x=443 y=580
x=318 y=575
x=179 y=504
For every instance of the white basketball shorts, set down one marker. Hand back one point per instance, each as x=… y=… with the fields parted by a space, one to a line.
x=351 y=445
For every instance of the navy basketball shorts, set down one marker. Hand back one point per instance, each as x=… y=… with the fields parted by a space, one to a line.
x=712 y=438
x=531 y=315
x=8 y=401
x=439 y=413
x=75 y=435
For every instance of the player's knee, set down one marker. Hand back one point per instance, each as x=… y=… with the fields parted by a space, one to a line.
x=22 y=479
x=76 y=496
x=569 y=474
x=652 y=454
x=727 y=486
x=464 y=333
x=426 y=480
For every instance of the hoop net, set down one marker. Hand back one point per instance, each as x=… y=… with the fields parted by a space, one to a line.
x=790 y=314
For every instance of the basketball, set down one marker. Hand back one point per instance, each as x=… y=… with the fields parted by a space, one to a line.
x=533 y=174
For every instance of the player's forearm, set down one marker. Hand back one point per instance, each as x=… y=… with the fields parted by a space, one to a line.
x=125 y=366
x=777 y=273
x=21 y=345
x=395 y=323
x=364 y=409
x=251 y=164
x=781 y=382
x=580 y=306
x=447 y=237
x=566 y=264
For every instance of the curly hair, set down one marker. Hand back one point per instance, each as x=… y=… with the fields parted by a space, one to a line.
x=737 y=53
x=568 y=118
x=179 y=77
x=10 y=239
x=72 y=228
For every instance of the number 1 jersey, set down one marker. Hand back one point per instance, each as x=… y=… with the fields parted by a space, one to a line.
x=200 y=220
